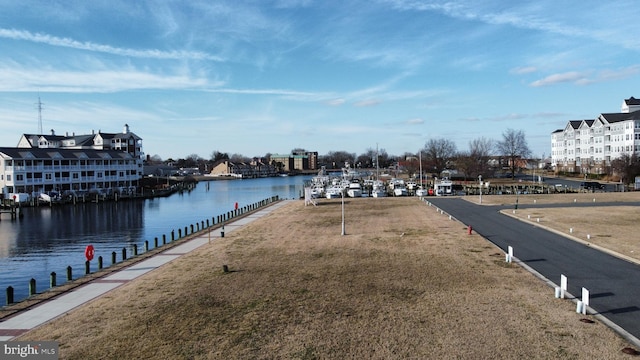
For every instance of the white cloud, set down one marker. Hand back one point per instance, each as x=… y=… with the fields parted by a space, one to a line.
x=89 y=46
x=336 y=102
x=18 y=79
x=416 y=121
x=523 y=70
x=568 y=77
x=367 y=103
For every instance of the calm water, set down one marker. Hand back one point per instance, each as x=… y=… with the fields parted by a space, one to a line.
x=50 y=239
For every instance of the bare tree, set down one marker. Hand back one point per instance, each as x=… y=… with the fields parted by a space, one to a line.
x=217 y=155
x=438 y=154
x=514 y=148
x=627 y=167
x=155 y=160
x=368 y=159
x=480 y=150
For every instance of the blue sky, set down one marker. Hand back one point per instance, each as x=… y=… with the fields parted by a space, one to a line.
x=257 y=77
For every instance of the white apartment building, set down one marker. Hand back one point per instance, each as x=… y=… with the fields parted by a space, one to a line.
x=588 y=146
x=100 y=162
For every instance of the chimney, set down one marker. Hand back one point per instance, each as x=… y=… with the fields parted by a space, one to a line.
x=53 y=132
x=126 y=129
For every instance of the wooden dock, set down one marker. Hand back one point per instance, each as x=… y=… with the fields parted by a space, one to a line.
x=9 y=206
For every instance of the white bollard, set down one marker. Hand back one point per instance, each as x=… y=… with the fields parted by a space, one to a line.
x=528 y=216
x=563 y=285
x=585 y=300
x=574 y=200
x=534 y=201
x=579 y=307
x=558 y=293
x=538 y=219
x=570 y=230
x=588 y=236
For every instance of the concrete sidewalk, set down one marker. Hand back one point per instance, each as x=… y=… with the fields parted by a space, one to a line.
x=51 y=309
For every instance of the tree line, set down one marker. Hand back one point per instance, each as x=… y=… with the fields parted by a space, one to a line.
x=436 y=155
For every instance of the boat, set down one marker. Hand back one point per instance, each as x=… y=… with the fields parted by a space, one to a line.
x=443 y=186
x=399 y=190
x=378 y=189
x=333 y=192
x=421 y=191
x=354 y=190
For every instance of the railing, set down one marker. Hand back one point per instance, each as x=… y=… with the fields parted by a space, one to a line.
x=189 y=232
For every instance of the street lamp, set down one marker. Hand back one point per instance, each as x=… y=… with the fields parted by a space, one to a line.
x=343 y=229
x=480 y=183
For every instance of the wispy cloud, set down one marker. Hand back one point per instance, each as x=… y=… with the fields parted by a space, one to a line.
x=416 y=121
x=584 y=78
x=18 y=79
x=568 y=77
x=523 y=70
x=89 y=46
x=367 y=103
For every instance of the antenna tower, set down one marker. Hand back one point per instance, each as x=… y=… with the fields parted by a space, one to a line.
x=39 y=107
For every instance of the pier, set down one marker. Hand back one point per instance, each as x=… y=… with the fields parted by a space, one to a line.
x=9 y=206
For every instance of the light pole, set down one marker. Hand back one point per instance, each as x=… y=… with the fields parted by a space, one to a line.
x=480 y=187
x=343 y=229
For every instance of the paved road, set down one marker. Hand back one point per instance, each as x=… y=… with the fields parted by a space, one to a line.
x=613 y=283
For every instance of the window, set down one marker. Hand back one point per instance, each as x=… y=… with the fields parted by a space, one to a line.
x=19 y=177
x=48 y=176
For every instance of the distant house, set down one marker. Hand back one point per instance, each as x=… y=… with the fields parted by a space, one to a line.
x=254 y=169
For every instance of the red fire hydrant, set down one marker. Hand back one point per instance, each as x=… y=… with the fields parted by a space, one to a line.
x=469 y=229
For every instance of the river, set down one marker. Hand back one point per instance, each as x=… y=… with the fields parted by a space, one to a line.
x=48 y=239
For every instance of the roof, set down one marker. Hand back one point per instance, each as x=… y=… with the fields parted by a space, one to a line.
x=71 y=154
x=575 y=123
x=617 y=117
x=119 y=135
x=632 y=101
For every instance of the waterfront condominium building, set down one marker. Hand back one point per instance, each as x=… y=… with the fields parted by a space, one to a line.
x=588 y=146
x=99 y=162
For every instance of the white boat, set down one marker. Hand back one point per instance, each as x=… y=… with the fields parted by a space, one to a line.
x=399 y=190
x=378 y=189
x=422 y=192
x=444 y=186
x=333 y=192
x=354 y=190
x=317 y=191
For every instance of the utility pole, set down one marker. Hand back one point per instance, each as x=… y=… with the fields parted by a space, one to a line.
x=39 y=107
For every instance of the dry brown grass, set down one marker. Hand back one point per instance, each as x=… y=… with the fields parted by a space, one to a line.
x=405 y=282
